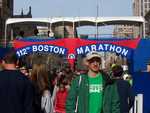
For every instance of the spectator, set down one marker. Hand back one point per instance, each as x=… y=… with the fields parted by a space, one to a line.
x=16 y=91
x=36 y=32
x=21 y=34
x=48 y=33
x=24 y=70
x=60 y=99
x=42 y=98
x=93 y=92
x=125 y=91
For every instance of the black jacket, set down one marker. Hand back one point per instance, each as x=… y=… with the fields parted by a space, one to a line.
x=126 y=95
x=16 y=92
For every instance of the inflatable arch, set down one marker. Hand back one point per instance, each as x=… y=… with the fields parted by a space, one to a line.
x=71 y=47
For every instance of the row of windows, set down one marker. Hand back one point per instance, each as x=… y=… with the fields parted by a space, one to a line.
x=147 y=5
x=0 y=12
x=0 y=3
x=147 y=1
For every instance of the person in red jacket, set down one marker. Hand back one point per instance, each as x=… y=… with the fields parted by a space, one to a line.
x=60 y=99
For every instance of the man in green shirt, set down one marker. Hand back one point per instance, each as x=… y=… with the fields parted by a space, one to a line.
x=93 y=92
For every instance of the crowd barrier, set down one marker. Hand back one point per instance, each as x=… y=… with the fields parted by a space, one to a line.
x=138 y=104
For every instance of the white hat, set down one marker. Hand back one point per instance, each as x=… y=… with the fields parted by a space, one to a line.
x=93 y=54
x=125 y=76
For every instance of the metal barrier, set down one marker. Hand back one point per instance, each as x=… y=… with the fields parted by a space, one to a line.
x=138 y=104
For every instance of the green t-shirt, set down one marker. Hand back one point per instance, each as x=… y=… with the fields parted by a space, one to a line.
x=95 y=93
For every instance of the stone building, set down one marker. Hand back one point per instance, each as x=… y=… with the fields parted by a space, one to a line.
x=123 y=31
x=6 y=11
x=141 y=8
x=147 y=17
x=27 y=28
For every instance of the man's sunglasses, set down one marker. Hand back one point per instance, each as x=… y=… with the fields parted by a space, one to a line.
x=94 y=60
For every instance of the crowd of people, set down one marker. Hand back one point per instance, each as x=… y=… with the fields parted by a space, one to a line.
x=38 y=90
x=34 y=33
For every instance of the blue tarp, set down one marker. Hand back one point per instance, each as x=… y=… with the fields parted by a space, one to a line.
x=3 y=51
x=141 y=83
x=141 y=55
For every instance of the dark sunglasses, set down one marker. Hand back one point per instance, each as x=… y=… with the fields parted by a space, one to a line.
x=94 y=60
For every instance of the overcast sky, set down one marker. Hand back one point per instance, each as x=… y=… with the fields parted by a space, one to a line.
x=50 y=8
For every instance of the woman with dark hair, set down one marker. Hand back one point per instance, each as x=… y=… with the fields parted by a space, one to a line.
x=60 y=98
x=42 y=100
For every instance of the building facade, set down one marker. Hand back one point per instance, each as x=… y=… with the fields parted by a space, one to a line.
x=141 y=8
x=123 y=31
x=6 y=11
x=26 y=28
x=147 y=17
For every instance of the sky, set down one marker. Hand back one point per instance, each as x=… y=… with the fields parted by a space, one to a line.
x=72 y=8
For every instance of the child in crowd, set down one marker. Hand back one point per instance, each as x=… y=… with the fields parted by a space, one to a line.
x=60 y=99
x=24 y=70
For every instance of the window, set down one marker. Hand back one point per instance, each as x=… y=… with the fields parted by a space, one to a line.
x=0 y=3
x=145 y=6
x=8 y=3
x=0 y=13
